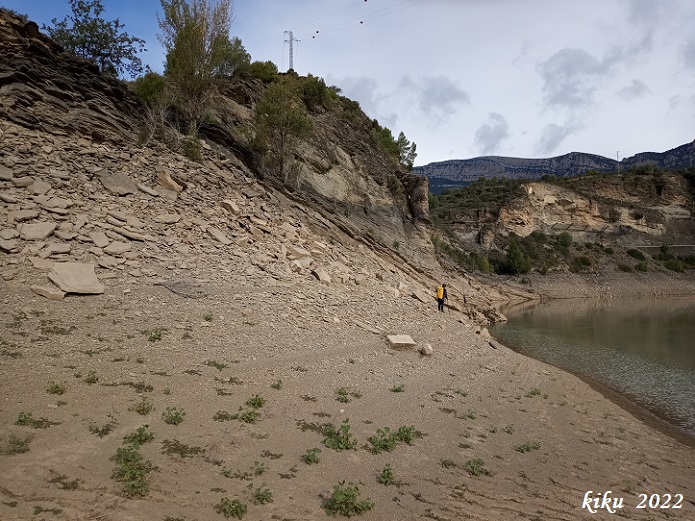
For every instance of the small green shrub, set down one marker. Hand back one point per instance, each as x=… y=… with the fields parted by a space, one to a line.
x=213 y=363
x=173 y=416
x=15 y=445
x=345 y=500
x=527 y=447
x=339 y=439
x=476 y=467
x=641 y=266
x=383 y=440
x=256 y=401
x=55 y=388
x=277 y=385
x=192 y=147
x=224 y=416
x=154 y=335
x=636 y=254
x=231 y=508
x=139 y=437
x=133 y=471
x=262 y=495
x=386 y=476
x=25 y=419
x=248 y=415
x=143 y=407
x=398 y=388
x=345 y=395
x=676 y=265
x=312 y=456
x=91 y=378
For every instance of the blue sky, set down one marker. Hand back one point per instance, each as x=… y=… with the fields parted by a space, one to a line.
x=465 y=78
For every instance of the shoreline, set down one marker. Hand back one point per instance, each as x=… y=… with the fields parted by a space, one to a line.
x=652 y=418
x=655 y=418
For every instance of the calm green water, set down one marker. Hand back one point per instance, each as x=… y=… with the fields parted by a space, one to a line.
x=642 y=348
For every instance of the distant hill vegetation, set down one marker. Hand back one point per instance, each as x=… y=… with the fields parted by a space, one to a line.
x=462 y=172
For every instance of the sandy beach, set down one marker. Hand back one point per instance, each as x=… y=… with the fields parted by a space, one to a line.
x=498 y=435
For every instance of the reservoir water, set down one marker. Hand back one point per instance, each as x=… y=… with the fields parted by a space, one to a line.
x=642 y=348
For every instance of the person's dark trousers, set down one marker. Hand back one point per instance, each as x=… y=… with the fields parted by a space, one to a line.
x=440 y=304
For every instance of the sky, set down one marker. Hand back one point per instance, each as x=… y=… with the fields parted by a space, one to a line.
x=469 y=78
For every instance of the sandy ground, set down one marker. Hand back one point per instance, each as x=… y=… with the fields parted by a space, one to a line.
x=538 y=438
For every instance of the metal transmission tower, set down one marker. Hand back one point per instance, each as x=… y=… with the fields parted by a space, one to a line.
x=291 y=41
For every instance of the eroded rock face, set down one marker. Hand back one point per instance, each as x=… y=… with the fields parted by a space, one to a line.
x=44 y=88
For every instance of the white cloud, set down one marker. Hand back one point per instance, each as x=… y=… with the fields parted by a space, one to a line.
x=491 y=134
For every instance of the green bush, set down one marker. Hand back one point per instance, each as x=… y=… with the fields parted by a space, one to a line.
x=641 y=266
x=636 y=254
x=150 y=88
x=266 y=71
x=676 y=265
x=192 y=148
x=345 y=500
x=564 y=240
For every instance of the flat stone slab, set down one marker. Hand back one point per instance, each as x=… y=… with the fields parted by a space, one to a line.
x=401 y=342
x=75 y=277
x=23 y=215
x=5 y=173
x=167 y=218
x=99 y=239
x=118 y=183
x=51 y=293
x=422 y=296
x=117 y=247
x=36 y=231
x=367 y=327
x=322 y=275
x=218 y=235
x=39 y=187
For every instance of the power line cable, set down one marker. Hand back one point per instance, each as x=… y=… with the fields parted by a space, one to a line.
x=330 y=14
x=376 y=14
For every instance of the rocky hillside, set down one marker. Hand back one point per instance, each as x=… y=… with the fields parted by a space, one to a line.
x=458 y=172
x=77 y=186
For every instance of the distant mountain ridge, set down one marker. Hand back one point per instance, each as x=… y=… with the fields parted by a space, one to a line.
x=459 y=172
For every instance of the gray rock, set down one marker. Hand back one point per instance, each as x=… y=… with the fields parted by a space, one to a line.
x=118 y=183
x=427 y=350
x=117 y=248
x=218 y=235
x=165 y=181
x=230 y=206
x=401 y=342
x=23 y=182
x=75 y=277
x=367 y=327
x=57 y=248
x=422 y=296
x=36 y=231
x=322 y=275
x=41 y=264
x=39 y=187
x=147 y=190
x=58 y=202
x=66 y=236
x=23 y=215
x=8 y=246
x=100 y=239
x=8 y=233
x=167 y=218
x=51 y=293
x=5 y=173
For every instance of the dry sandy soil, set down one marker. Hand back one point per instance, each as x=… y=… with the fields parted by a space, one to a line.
x=537 y=438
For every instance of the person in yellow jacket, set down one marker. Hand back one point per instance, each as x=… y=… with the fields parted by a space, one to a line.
x=441 y=297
